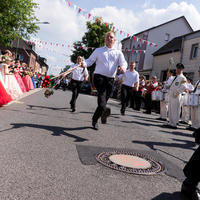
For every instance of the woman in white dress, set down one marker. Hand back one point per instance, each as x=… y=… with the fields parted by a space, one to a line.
x=10 y=82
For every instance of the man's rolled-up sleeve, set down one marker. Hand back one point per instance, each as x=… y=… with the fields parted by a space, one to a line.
x=92 y=59
x=122 y=61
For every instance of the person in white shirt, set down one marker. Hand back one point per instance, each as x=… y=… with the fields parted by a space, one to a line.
x=130 y=84
x=177 y=87
x=78 y=76
x=195 y=111
x=186 y=109
x=164 y=104
x=107 y=61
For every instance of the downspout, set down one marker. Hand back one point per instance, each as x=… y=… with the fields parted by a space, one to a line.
x=182 y=49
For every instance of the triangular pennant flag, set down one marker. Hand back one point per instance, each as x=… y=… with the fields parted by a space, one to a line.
x=134 y=37
x=105 y=24
x=69 y=3
x=141 y=51
x=97 y=19
x=89 y=15
x=128 y=35
x=120 y=32
x=150 y=44
x=113 y=28
x=156 y=45
x=79 y=10
x=133 y=51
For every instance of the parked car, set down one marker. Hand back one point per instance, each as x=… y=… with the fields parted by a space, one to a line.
x=86 y=88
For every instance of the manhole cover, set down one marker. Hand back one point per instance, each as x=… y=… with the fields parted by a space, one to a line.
x=134 y=163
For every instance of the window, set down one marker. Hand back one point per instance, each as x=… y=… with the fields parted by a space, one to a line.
x=194 y=51
x=167 y=36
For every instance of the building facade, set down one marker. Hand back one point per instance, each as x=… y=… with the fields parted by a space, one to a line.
x=25 y=53
x=159 y=35
x=184 y=49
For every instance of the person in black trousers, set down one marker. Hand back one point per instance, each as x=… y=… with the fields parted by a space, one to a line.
x=129 y=86
x=152 y=86
x=78 y=76
x=192 y=173
x=138 y=96
x=107 y=60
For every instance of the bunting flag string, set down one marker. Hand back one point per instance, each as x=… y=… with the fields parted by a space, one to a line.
x=39 y=45
x=121 y=32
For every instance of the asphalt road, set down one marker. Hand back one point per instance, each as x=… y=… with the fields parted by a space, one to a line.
x=48 y=153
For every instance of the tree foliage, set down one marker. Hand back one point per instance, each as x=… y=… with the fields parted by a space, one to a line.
x=94 y=37
x=17 y=19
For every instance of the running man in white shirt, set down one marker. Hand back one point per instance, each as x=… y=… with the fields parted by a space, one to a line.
x=130 y=84
x=78 y=76
x=107 y=61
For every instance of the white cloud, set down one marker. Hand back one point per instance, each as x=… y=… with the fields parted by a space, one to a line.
x=66 y=26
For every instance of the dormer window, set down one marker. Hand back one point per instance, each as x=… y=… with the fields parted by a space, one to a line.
x=167 y=36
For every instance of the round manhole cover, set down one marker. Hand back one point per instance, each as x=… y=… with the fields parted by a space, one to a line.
x=134 y=163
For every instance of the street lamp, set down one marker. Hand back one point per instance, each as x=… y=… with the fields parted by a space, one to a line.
x=42 y=23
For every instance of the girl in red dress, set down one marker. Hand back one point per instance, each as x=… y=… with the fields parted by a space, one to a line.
x=4 y=96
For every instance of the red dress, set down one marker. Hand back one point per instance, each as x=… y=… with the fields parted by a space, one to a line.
x=4 y=96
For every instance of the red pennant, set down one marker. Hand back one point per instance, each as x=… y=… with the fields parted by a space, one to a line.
x=97 y=19
x=51 y=43
x=105 y=24
x=79 y=10
x=150 y=44
x=141 y=51
x=156 y=45
x=127 y=35
x=81 y=47
x=57 y=44
x=145 y=42
x=69 y=3
x=134 y=37
x=133 y=51
x=89 y=15
x=63 y=45
x=120 y=32
x=113 y=28
x=74 y=47
x=140 y=40
x=89 y=48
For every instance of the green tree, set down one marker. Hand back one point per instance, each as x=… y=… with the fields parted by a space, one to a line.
x=94 y=37
x=17 y=19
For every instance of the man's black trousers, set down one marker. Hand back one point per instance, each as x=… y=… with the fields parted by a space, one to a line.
x=126 y=94
x=104 y=86
x=75 y=87
x=192 y=168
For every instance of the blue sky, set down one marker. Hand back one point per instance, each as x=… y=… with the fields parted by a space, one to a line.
x=131 y=16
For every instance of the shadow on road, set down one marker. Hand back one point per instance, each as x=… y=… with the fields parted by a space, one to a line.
x=56 y=130
x=168 y=196
x=31 y=107
x=185 y=145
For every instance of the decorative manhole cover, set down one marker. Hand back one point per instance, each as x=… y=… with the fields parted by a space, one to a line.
x=134 y=163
